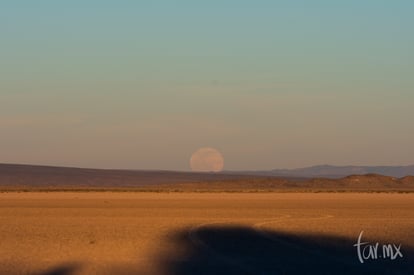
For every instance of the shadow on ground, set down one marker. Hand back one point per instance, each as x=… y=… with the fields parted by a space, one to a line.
x=243 y=250
x=228 y=250
x=64 y=269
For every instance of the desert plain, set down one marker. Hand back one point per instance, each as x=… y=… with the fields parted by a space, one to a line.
x=202 y=233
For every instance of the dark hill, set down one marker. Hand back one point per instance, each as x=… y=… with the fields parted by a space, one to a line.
x=30 y=177
x=46 y=176
x=331 y=171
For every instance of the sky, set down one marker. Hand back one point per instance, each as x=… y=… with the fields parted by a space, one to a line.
x=144 y=84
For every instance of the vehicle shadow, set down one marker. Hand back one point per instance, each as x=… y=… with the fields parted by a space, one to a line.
x=228 y=250
x=243 y=250
x=63 y=269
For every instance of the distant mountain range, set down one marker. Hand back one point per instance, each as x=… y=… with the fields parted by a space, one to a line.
x=43 y=176
x=333 y=178
x=330 y=171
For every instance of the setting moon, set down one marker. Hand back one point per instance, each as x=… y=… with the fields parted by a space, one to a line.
x=207 y=160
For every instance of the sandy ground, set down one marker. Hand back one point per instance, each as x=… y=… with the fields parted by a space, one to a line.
x=163 y=233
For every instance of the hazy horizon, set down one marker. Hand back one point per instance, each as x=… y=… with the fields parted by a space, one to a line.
x=144 y=85
x=189 y=170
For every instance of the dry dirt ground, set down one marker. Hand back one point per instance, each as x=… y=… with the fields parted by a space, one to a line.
x=202 y=233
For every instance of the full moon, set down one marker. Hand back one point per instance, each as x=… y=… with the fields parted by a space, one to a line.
x=207 y=160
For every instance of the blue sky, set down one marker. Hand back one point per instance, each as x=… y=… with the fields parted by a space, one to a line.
x=271 y=84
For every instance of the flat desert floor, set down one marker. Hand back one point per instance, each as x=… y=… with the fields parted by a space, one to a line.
x=203 y=233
